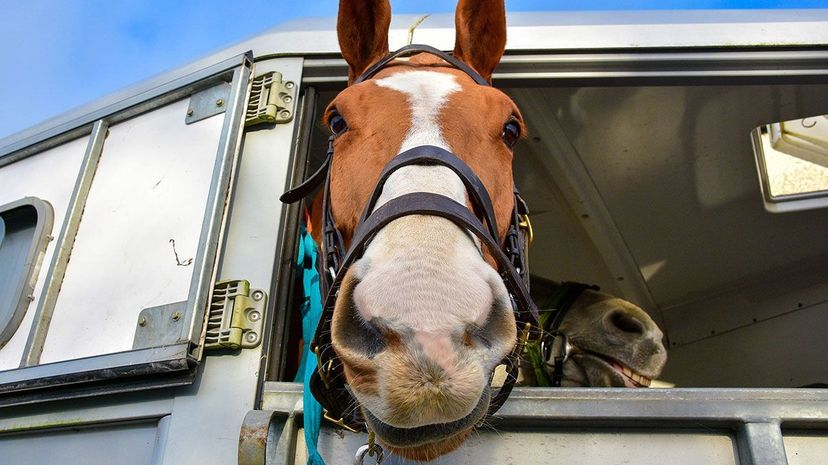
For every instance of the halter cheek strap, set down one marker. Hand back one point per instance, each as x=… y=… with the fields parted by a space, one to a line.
x=550 y=351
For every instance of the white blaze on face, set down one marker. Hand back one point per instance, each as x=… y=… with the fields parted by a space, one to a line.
x=426 y=93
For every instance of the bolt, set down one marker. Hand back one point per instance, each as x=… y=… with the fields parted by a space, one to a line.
x=254 y=316
x=287 y=98
x=284 y=114
x=251 y=337
x=257 y=295
x=30 y=297
x=289 y=84
x=142 y=321
x=190 y=112
x=219 y=102
x=50 y=238
x=176 y=316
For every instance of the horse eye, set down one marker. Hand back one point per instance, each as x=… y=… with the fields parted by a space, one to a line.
x=511 y=133
x=337 y=124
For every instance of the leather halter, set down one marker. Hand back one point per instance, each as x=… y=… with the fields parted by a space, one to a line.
x=551 y=350
x=510 y=253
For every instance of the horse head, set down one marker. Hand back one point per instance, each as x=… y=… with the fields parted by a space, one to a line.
x=423 y=317
x=609 y=341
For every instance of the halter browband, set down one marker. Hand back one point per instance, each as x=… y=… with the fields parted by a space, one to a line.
x=328 y=382
x=409 y=50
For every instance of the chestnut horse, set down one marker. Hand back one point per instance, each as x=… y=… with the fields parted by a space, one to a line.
x=422 y=316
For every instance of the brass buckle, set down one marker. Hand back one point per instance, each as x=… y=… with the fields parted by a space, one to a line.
x=340 y=422
x=322 y=369
x=524 y=337
x=526 y=224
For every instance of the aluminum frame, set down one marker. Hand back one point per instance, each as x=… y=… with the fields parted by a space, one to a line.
x=644 y=67
x=756 y=417
x=156 y=364
x=63 y=246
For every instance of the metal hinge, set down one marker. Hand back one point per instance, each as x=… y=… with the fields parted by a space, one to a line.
x=236 y=316
x=271 y=100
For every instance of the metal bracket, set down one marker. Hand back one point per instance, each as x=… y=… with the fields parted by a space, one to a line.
x=207 y=103
x=159 y=326
x=271 y=100
x=236 y=316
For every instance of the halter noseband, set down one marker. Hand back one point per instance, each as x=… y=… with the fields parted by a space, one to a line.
x=327 y=383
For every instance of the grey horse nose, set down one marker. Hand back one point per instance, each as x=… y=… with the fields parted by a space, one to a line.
x=625 y=322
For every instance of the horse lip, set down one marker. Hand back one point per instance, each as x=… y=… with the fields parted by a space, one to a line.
x=633 y=379
x=427 y=434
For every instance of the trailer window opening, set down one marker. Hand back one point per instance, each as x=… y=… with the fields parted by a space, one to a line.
x=24 y=225
x=792 y=158
x=660 y=210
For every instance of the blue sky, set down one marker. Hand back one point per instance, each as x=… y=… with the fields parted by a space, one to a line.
x=59 y=54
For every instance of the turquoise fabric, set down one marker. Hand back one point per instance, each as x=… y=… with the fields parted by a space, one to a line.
x=311 y=313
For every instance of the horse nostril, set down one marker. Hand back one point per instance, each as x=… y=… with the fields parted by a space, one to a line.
x=626 y=322
x=355 y=333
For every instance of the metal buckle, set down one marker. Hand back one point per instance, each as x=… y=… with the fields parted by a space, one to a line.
x=322 y=369
x=548 y=344
x=526 y=224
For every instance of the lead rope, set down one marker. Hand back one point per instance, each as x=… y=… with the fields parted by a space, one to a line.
x=311 y=312
x=371 y=449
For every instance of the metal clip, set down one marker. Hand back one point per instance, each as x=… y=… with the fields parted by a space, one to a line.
x=526 y=225
x=371 y=449
x=555 y=348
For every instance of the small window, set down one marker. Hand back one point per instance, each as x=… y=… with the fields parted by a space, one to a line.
x=24 y=228
x=792 y=157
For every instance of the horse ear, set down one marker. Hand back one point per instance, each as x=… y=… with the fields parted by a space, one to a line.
x=481 y=34
x=362 y=29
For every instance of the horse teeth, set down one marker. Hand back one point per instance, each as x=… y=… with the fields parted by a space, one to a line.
x=635 y=377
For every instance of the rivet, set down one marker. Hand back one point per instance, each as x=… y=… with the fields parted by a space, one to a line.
x=284 y=114
x=176 y=316
x=190 y=112
x=251 y=337
x=142 y=321
x=219 y=102
x=287 y=98
x=289 y=84
x=254 y=316
x=257 y=295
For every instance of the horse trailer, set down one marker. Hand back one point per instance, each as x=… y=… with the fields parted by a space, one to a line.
x=678 y=159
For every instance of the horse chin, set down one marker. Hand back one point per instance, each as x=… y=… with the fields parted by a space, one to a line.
x=431 y=451
x=428 y=442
